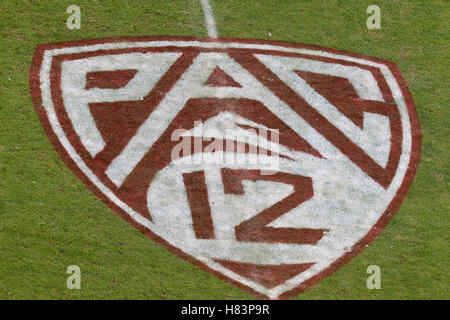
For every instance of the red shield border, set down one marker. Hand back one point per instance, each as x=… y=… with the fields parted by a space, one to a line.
x=358 y=247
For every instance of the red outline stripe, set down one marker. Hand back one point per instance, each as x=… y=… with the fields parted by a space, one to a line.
x=376 y=229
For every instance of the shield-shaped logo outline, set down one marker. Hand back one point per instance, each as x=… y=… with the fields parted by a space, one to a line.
x=40 y=74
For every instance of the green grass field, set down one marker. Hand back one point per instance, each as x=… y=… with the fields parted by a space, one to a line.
x=50 y=220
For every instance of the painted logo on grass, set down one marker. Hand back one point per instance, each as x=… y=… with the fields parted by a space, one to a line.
x=267 y=164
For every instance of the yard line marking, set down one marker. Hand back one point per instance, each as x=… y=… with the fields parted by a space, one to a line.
x=209 y=18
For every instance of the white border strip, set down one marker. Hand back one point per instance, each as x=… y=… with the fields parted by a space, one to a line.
x=48 y=105
x=209 y=18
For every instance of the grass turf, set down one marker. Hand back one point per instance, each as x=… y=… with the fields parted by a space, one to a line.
x=50 y=220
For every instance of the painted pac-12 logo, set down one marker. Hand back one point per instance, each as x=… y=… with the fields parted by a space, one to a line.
x=334 y=138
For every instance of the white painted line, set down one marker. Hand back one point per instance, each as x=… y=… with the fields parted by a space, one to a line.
x=246 y=80
x=210 y=23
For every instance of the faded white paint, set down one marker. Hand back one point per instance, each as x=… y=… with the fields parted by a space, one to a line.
x=375 y=138
x=346 y=200
x=209 y=19
x=150 y=66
